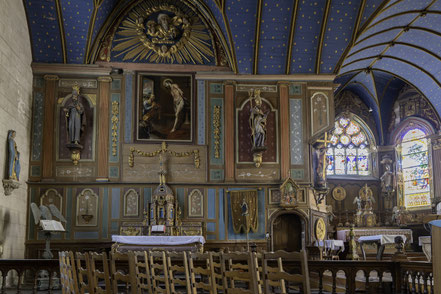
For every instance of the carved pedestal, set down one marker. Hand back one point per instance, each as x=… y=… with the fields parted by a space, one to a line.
x=9 y=186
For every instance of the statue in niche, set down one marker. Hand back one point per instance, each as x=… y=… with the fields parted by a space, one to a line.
x=75 y=117
x=14 y=157
x=387 y=179
x=257 y=121
x=178 y=102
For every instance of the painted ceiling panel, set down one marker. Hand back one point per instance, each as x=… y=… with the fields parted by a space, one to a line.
x=418 y=57
x=404 y=5
x=364 y=95
x=383 y=37
x=369 y=9
x=367 y=52
x=388 y=88
x=103 y=12
x=341 y=21
x=342 y=80
x=423 y=39
x=401 y=20
x=419 y=80
x=242 y=20
x=361 y=64
x=218 y=16
x=44 y=31
x=76 y=17
x=367 y=80
x=274 y=37
x=306 y=36
x=431 y=21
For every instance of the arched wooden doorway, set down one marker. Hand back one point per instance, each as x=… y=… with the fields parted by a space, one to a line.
x=287 y=231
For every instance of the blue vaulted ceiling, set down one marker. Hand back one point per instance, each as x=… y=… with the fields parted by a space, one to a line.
x=373 y=46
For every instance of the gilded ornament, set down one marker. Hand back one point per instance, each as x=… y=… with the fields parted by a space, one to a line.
x=339 y=193
x=216 y=131
x=163 y=33
x=320 y=229
x=163 y=150
x=115 y=120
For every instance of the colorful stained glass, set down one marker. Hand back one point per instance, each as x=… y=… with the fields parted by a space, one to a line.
x=340 y=160
x=358 y=139
x=415 y=167
x=417 y=200
x=344 y=122
x=345 y=140
x=416 y=173
x=352 y=129
x=413 y=135
x=345 y=152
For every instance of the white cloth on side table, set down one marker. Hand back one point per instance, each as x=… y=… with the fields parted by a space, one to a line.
x=383 y=239
x=158 y=240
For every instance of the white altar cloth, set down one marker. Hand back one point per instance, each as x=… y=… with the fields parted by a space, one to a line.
x=158 y=240
x=331 y=244
x=383 y=239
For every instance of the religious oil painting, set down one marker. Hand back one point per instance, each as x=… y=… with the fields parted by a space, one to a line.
x=165 y=108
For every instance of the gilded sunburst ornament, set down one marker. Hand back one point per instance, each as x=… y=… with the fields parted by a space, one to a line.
x=163 y=33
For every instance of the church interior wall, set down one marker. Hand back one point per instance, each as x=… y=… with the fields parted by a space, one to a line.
x=15 y=114
x=140 y=174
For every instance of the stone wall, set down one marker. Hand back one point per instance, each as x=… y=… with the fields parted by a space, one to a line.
x=15 y=113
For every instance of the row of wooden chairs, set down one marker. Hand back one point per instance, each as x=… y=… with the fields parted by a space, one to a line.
x=184 y=272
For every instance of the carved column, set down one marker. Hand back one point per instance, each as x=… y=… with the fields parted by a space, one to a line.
x=103 y=127
x=48 y=125
x=284 y=131
x=229 y=132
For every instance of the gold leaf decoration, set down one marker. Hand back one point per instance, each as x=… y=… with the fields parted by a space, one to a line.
x=159 y=32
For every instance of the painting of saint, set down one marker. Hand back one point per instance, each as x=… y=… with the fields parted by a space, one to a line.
x=164 y=108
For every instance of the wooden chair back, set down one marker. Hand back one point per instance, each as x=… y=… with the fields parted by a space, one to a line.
x=122 y=267
x=159 y=272
x=240 y=273
x=178 y=272
x=200 y=273
x=277 y=279
x=84 y=272
x=216 y=270
x=68 y=274
x=142 y=270
x=100 y=273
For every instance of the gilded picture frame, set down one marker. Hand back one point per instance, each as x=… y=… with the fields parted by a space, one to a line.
x=165 y=108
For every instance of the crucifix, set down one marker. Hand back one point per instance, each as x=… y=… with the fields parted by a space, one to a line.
x=161 y=153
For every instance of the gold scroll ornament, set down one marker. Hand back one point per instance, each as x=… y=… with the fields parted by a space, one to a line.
x=164 y=149
x=242 y=222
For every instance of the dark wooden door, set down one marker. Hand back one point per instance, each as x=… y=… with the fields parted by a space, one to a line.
x=287 y=233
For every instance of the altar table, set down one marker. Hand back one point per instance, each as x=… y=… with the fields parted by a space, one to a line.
x=380 y=240
x=172 y=243
x=343 y=232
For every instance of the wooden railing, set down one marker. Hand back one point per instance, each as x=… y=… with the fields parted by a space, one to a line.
x=327 y=276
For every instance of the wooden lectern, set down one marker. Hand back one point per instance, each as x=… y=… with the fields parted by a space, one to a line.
x=436 y=254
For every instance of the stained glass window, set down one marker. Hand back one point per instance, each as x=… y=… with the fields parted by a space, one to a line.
x=348 y=150
x=415 y=168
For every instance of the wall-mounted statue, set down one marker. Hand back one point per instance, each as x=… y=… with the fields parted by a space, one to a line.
x=13 y=157
x=13 y=165
x=257 y=123
x=75 y=117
